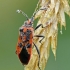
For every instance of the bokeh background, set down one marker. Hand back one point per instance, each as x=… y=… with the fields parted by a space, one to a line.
x=10 y=21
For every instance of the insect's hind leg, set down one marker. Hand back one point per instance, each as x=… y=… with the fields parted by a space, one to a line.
x=38 y=54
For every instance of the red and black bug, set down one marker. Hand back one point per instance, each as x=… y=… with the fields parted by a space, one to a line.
x=25 y=39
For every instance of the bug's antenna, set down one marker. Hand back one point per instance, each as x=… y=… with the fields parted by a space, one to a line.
x=32 y=18
x=44 y=8
x=20 y=11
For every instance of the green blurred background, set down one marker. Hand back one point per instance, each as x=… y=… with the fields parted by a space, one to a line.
x=10 y=22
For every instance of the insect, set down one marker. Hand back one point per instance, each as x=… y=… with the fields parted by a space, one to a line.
x=25 y=39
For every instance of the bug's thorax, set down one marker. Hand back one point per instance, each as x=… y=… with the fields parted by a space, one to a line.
x=27 y=33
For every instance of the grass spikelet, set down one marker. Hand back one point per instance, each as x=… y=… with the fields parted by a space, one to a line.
x=50 y=18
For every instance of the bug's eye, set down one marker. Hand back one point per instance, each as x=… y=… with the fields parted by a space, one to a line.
x=21 y=30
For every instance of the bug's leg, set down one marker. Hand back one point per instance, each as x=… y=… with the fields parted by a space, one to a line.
x=40 y=36
x=39 y=26
x=38 y=54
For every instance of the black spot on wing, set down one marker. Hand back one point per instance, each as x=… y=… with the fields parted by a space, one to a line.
x=24 y=56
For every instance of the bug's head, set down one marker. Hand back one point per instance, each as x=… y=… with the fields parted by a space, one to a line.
x=28 y=22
